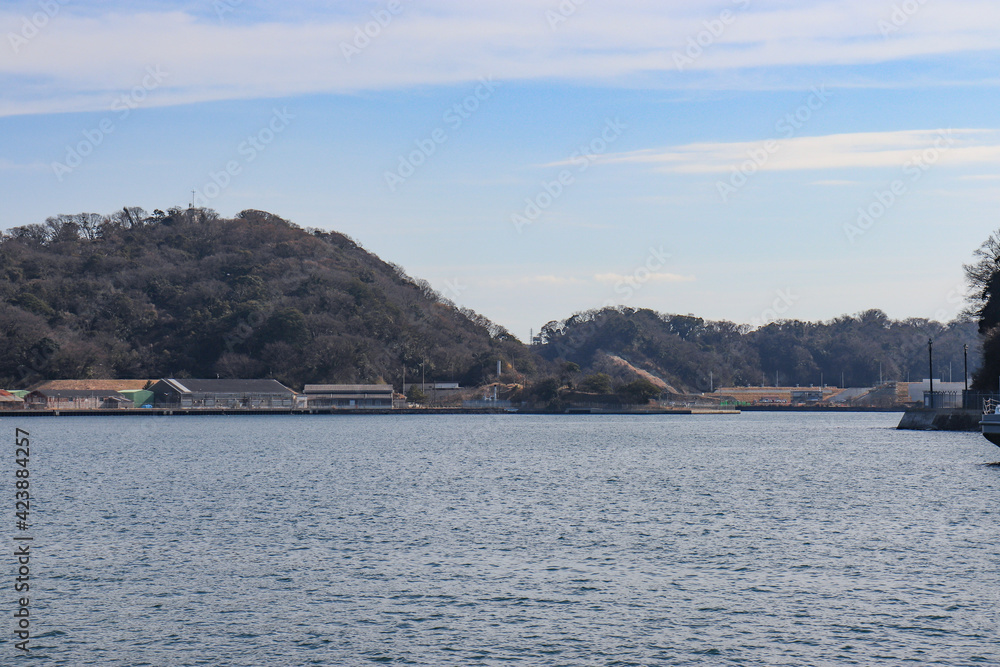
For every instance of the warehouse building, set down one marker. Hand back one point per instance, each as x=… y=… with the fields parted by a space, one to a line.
x=230 y=394
x=349 y=396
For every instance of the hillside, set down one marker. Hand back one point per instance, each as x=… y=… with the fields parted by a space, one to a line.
x=185 y=293
x=692 y=354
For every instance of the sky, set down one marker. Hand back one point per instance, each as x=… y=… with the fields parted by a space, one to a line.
x=746 y=160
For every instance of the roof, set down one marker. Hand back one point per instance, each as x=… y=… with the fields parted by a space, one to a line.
x=7 y=397
x=348 y=389
x=190 y=386
x=145 y=393
x=77 y=393
x=94 y=385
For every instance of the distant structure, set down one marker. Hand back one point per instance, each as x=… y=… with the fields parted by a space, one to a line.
x=96 y=385
x=76 y=399
x=9 y=401
x=947 y=394
x=231 y=394
x=349 y=396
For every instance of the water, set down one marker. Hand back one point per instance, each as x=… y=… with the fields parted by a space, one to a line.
x=758 y=539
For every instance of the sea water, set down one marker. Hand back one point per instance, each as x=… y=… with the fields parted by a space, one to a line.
x=753 y=539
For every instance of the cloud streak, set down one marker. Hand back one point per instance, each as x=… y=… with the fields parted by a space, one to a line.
x=861 y=150
x=653 y=277
x=85 y=53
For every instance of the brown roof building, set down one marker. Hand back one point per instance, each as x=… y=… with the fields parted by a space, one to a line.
x=9 y=401
x=94 y=385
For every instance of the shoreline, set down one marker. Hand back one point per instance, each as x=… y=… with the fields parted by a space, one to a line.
x=189 y=412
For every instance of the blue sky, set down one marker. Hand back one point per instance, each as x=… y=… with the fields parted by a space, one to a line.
x=740 y=159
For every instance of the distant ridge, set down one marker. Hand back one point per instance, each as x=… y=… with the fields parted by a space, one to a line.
x=186 y=293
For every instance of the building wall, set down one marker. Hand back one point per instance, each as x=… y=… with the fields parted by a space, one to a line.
x=348 y=402
x=246 y=401
x=76 y=403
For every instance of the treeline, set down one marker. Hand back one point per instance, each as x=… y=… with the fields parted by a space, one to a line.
x=693 y=354
x=185 y=293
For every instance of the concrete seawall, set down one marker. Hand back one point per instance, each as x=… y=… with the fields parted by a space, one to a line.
x=941 y=419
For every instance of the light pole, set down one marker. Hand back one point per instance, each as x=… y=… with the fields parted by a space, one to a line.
x=930 y=365
x=965 y=354
x=965 y=358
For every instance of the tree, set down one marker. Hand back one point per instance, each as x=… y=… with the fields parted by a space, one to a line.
x=639 y=391
x=416 y=394
x=598 y=383
x=569 y=369
x=983 y=278
x=546 y=390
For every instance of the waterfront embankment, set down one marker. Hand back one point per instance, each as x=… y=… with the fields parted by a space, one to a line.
x=940 y=419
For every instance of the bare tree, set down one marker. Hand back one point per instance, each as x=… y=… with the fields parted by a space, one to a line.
x=983 y=277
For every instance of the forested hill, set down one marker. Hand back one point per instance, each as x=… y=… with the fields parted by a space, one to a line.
x=185 y=293
x=691 y=353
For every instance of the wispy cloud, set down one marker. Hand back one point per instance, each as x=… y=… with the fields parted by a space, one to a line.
x=618 y=278
x=536 y=281
x=8 y=165
x=836 y=151
x=87 y=53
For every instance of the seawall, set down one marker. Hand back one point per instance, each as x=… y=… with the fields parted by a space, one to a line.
x=940 y=419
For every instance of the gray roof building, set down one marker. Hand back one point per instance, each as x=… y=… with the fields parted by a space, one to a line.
x=247 y=394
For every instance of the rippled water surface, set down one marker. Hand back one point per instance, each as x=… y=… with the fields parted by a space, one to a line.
x=757 y=539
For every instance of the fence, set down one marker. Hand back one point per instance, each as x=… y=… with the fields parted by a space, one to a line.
x=976 y=400
x=967 y=400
